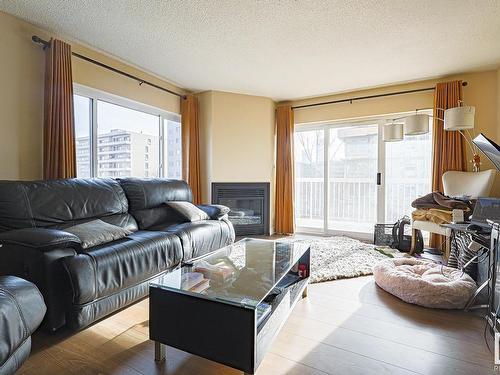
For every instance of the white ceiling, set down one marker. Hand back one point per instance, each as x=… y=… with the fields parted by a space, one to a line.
x=281 y=49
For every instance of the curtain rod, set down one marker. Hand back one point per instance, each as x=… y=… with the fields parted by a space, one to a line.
x=141 y=81
x=350 y=100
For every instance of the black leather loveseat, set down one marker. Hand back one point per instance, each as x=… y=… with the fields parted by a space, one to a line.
x=79 y=285
x=21 y=312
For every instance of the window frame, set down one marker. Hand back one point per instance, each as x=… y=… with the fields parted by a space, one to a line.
x=95 y=95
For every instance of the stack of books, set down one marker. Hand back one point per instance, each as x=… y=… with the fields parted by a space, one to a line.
x=194 y=282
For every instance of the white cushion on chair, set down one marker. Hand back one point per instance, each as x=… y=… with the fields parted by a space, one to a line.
x=473 y=184
x=425 y=283
x=429 y=226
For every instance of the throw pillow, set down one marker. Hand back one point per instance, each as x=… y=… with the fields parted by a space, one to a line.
x=97 y=232
x=189 y=211
x=215 y=211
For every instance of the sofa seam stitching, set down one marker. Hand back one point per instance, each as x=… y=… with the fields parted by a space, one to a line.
x=14 y=353
x=21 y=315
x=125 y=289
x=28 y=204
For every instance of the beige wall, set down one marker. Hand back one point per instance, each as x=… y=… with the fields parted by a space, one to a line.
x=237 y=139
x=498 y=104
x=91 y=75
x=21 y=93
x=483 y=91
x=21 y=101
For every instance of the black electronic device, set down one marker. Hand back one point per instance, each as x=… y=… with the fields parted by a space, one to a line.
x=484 y=210
x=488 y=148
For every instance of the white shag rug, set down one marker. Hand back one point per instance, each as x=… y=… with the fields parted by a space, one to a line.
x=342 y=257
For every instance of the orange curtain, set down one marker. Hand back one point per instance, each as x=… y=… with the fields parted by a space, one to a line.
x=448 y=146
x=284 y=215
x=59 y=159
x=191 y=145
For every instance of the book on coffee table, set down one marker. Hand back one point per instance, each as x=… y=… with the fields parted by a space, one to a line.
x=190 y=279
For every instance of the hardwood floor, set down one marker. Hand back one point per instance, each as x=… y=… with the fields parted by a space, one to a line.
x=343 y=327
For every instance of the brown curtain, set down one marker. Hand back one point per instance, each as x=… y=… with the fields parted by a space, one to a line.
x=59 y=157
x=284 y=215
x=448 y=146
x=191 y=145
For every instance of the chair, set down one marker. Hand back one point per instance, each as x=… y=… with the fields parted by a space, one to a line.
x=456 y=184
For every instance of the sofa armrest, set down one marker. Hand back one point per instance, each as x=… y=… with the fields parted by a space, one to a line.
x=214 y=211
x=35 y=254
x=29 y=301
x=41 y=239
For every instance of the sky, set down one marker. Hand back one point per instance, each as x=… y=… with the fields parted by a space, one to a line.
x=111 y=116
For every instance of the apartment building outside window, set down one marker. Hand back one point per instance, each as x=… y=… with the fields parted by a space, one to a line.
x=116 y=137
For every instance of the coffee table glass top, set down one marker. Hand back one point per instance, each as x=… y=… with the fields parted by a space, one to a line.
x=242 y=273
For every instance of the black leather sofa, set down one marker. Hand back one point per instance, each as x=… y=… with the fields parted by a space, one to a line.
x=21 y=312
x=79 y=285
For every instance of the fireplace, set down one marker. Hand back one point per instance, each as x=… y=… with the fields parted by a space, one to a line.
x=249 y=205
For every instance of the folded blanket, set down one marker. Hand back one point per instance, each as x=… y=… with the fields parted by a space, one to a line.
x=439 y=201
x=434 y=215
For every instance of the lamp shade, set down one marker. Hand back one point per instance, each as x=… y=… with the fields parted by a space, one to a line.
x=393 y=132
x=459 y=118
x=416 y=124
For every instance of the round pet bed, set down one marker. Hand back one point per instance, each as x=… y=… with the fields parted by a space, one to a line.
x=425 y=283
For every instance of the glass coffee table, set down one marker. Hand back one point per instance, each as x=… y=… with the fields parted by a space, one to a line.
x=229 y=305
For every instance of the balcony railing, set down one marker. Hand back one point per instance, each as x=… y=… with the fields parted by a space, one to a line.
x=355 y=199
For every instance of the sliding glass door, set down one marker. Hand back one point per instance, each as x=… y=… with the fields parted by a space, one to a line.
x=352 y=185
x=310 y=179
x=347 y=179
x=408 y=169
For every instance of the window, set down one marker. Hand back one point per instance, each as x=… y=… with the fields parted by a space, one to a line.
x=309 y=178
x=172 y=153
x=408 y=170
x=336 y=168
x=117 y=125
x=83 y=107
x=127 y=133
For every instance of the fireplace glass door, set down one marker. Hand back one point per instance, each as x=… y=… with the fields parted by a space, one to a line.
x=244 y=211
x=248 y=203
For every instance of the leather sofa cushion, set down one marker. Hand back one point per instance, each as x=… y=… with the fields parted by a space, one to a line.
x=41 y=239
x=148 y=197
x=143 y=193
x=201 y=237
x=107 y=269
x=150 y=217
x=26 y=204
x=21 y=312
x=125 y=221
